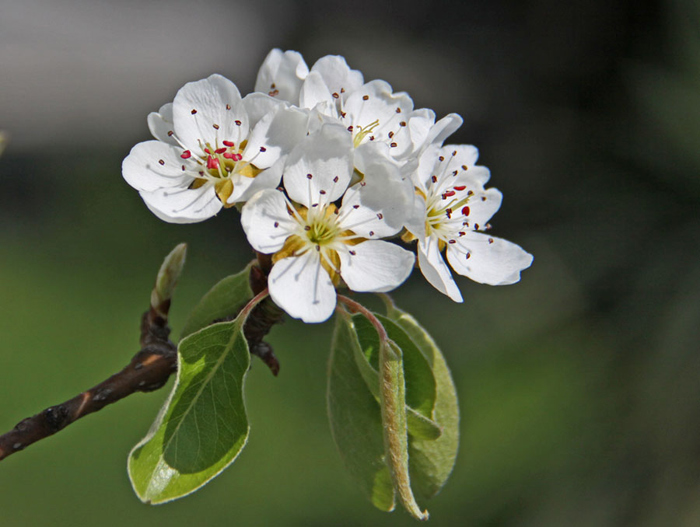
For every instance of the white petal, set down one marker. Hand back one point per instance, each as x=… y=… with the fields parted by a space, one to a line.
x=275 y=135
x=266 y=222
x=435 y=269
x=385 y=189
x=420 y=122
x=245 y=188
x=143 y=169
x=415 y=223
x=337 y=75
x=482 y=206
x=375 y=101
x=183 y=205
x=257 y=105
x=444 y=128
x=376 y=266
x=490 y=260
x=321 y=164
x=477 y=176
x=160 y=124
x=465 y=154
x=454 y=158
x=202 y=106
x=281 y=75
x=425 y=169
x=314 y=91
x=302 y=287
x=364 y=221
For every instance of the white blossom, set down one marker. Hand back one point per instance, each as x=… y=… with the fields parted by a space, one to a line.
x=208 y=152
x=315 y=244
x=281 y=75
x=452 y=214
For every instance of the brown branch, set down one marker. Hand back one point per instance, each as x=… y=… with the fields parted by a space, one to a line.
x=148 y=370
x=151 y=367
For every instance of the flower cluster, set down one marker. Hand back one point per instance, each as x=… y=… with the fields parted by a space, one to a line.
x=329 y=173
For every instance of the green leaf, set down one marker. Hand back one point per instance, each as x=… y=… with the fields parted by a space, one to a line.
x=420 y=384
x=432 y=461
x=223 y=301
x=355 y=417
x=393 y=409
x=203 y=426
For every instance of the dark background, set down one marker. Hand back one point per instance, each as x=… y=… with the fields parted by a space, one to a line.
x=578 y=386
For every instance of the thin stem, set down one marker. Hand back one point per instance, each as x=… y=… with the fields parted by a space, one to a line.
x=148 y=370
x=356 y=307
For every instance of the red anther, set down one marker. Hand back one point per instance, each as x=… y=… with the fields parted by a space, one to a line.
x=212 y=163
x=186 y=154
x=460 y=188
x=220 y=150
x=448 y=194
x=228 y=143
x=465 y=211
x=207 y=151
x=234 y=157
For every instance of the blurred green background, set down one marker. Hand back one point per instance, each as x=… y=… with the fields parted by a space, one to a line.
x=578 y=386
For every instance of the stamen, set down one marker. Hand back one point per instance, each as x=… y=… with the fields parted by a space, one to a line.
x=212 y=163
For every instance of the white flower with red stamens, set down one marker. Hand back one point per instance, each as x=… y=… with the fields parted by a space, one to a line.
x=281 y=75
x=453 y=212
x=373 y=113
x=316 y=244
x=207 y=154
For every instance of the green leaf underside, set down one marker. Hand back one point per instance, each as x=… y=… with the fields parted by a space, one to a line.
x=432 y=461
x=355 y=417
x=393 y=409
x=223 y=301
x=420 y=384
x=203 y=426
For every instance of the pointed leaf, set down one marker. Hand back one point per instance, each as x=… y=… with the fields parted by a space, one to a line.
x=223 y=301
x=421 y=427
x=393 y=408
x=355 y=417
x=203 y=426
x=420 y=382
x=420 y=385
x=432 y=461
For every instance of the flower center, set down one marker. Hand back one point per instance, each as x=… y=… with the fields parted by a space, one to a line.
x=447 y=212
x=217 y=164
x=320 y=231
x=361 y=132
